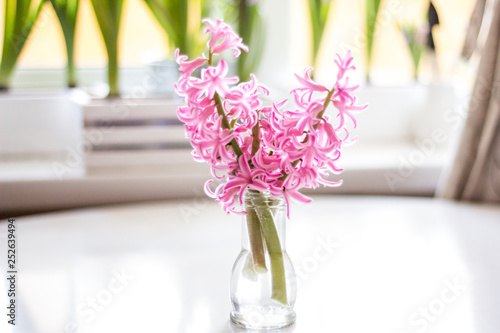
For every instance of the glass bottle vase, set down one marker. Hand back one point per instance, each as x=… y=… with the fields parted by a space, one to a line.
x=263 y=281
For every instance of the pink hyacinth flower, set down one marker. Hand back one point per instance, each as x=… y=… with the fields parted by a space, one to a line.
x=223 y=38
x=186 y=68
x=308 y=84
x=344 y=64
x=213 y=79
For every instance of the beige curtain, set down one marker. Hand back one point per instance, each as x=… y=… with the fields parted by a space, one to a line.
x=475 y=174
x=474 y=27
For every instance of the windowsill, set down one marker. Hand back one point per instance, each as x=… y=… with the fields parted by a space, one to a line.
x=29 y=188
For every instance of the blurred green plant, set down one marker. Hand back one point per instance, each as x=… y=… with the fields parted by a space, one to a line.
x=251 y=29
x=67 y=11
x=108 y=14
x=20 y=17
x=416 y=39
x=245 y=16
x=181 y=20
x=318 y=12
x=371 y=13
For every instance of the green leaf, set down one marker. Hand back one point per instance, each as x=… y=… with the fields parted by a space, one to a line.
x=67 y=11
x=181 y=21
x=318 y=13
x=372 y=8
x=416 y=45
x=251 y=29
x=20 y=17
x=108 y=14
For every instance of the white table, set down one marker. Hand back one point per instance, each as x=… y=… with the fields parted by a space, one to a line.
x=365 y=264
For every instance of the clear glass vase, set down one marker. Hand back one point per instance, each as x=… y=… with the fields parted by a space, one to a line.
x=263 y=281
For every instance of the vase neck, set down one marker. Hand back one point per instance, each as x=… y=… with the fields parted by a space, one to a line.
x=259 y=206
x=280 y=228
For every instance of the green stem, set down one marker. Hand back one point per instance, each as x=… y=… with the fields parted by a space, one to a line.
x=325 y=106
x=108 y=14
x=220 y=111
x=371 y=12
x=67 y=12
x=315 y=126
x=225 y=124
x=5 y=74
x=255 y=239
x=71 y=70
x=256 y=136
x=270 y=235
x=253 y=224
x=113 y=71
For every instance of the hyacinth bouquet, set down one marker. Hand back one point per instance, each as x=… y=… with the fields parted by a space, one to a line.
x=269 y=150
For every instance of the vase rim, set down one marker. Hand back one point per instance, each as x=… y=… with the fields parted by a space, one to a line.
x=265 y=197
